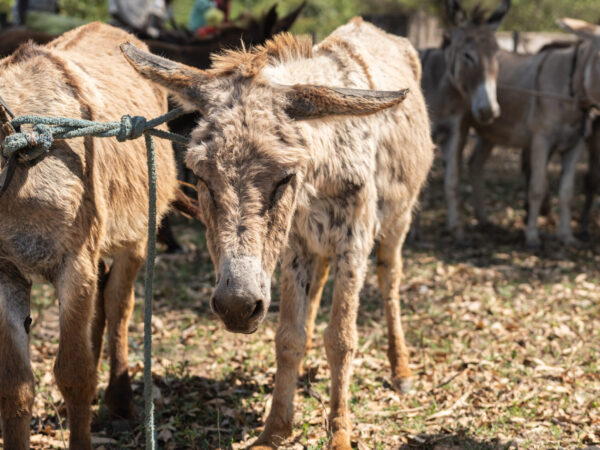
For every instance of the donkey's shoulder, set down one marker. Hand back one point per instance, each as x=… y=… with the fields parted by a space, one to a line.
x=95 y=37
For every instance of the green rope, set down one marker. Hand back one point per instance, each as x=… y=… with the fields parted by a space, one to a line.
x=32 y=144
x=148 y=400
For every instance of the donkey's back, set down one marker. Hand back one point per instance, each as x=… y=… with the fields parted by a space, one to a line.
x=401 y=135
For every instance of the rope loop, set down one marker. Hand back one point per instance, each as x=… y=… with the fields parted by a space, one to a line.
x=131 y=127
x=32 y=144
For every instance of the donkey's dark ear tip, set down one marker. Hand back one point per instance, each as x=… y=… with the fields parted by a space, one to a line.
x=126 y=47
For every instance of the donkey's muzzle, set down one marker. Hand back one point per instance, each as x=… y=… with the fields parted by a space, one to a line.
x=485 y=107
x=241 y=297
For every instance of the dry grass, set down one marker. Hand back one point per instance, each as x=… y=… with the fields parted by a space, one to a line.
x=504 y=344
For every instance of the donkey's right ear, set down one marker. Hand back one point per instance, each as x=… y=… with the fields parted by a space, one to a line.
x=456 y=14
x=184 y=82
x=579 y=28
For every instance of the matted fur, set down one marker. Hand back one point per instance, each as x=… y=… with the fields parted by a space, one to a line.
x=249 y=62
x=84 y=200
x=312 y=191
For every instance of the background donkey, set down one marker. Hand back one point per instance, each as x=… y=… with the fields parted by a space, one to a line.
x=459 y=83
x=84 y=200
x=543 y=123
x=282 y=172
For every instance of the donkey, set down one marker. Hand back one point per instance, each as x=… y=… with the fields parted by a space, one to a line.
x=459 y=83
x=547 y=96
x=317 y=174
x=85 y=200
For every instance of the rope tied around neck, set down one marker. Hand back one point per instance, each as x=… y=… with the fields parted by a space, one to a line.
x=31 y=144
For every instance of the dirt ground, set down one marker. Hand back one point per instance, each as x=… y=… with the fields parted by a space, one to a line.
x=504 y=343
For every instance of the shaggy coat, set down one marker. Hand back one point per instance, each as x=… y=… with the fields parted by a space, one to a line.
x=85 y=200
x=315 y=174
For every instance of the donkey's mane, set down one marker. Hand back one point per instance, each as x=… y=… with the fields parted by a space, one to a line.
x=249 y=62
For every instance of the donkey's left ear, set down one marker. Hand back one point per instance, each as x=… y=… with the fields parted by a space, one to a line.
x=579 y=28
x=305 y=101
x=184 y=82
x=498 y=16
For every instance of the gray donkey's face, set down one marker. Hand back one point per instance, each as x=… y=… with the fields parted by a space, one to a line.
x=472 y=57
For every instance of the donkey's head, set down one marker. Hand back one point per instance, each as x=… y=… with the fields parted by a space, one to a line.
x=472 y=57
x=250 y=158
x=590 y=34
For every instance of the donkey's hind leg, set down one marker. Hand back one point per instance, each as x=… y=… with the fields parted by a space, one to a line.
x=99 y=321
x=314 y=297
x=565 y=194
x=119 y=299
x=389 y=272
x=481 y=153
x=16 y=377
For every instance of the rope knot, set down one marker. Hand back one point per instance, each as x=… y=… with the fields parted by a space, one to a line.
x=131 y=127
x=31 y=144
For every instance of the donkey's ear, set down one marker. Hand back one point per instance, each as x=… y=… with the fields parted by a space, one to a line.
x=285 y=23
x=184 y=82
x=580 y=28
x=456 y=14
x=498 y=16
x=305 y=101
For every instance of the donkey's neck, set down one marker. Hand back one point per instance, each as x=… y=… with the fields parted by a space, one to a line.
x=442 y=96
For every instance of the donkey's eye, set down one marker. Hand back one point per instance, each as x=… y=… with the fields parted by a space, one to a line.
x=279 y=188
x=469 y=57
x=205 y=185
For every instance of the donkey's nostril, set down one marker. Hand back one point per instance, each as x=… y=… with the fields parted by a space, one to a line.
x=259 y=308
x=227 y=282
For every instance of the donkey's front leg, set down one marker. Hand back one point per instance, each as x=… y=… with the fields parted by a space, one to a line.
x=452 y=152
x=341 y=338
x=16 y=377
x=297 y=269
x=74 y=369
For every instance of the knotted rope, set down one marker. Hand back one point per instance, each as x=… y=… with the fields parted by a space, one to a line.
x=29 y=145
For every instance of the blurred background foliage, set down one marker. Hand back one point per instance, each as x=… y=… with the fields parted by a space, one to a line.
x=322 y=16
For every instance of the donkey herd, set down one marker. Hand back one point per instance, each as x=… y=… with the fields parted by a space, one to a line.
x=311 y=155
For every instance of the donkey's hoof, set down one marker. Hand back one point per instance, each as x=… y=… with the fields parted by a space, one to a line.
x=584 y=236
x=119 y=401
x=402 y=385
x=533 y=243
x=458 y=234
x=340 y=441
x=571 y=241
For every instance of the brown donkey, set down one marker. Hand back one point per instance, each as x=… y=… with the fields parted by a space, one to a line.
x=317 y=174
x=544 y=123
x=85 y=200
x=459 y=83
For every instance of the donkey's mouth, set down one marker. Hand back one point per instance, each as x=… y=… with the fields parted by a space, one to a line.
x=242 y=330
